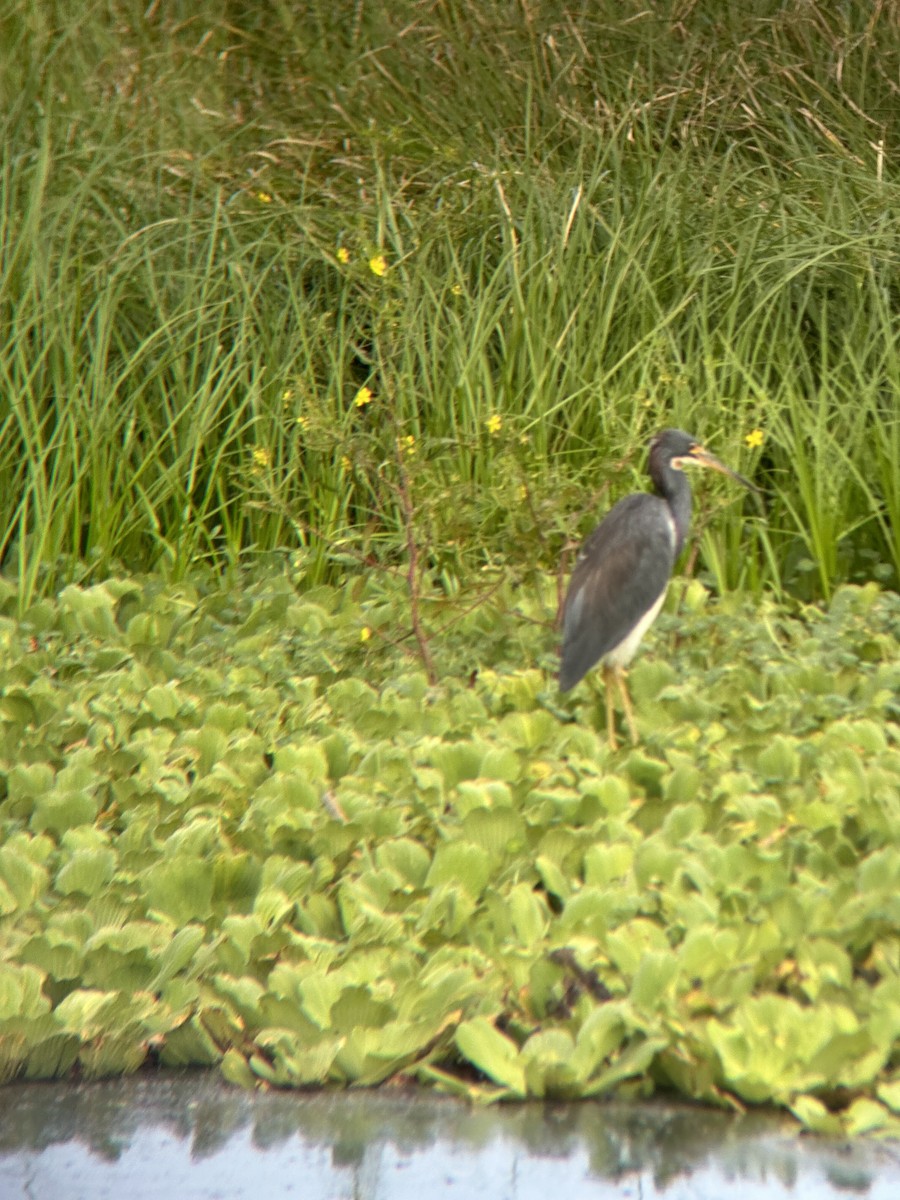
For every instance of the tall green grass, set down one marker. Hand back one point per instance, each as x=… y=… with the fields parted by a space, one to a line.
x=595 y=221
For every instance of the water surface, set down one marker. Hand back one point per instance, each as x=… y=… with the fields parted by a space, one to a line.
x=189 y=1136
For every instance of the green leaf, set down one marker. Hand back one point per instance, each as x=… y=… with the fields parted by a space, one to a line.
x=603 y=1032
x=497 y=830
x=190 y=1044
x=551 y=1067
x=683 y=786
x=889 y=1094
x=865 y=1116
x=177 y=955
x=163 y=701
x=653 y=979
x=54 y=953
x=634 y=1060
x=86 y=872
x=500 y=762
x=407 y=858
x=21 y=880
x=488 y=1050
x=458 y=761
x=309 y=762
x=529 y=915
x=604 y=864
x=82 y=1011
x=30 y=781
x=683 y=821
x=112 y=1056
x=553 y=878
x=181 y=889
x=613 y=794
x=17 y=708
x=356 y=1007
x=245 y=995
x=319 y=992
x=235 y=1069
x=21 y=992
x=815 y=1117
x=779 y=761
x=236 y=879
x=463 y=863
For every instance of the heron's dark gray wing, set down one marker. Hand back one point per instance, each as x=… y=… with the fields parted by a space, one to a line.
x=622 y=570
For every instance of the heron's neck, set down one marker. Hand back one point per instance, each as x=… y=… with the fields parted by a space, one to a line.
x=676 y=491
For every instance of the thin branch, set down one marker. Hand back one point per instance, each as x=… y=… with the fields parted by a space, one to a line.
x=412 y=573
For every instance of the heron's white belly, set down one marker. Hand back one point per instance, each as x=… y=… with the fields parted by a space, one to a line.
x=621 y=655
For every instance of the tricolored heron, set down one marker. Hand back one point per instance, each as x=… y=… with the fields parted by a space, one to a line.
x=623 y=570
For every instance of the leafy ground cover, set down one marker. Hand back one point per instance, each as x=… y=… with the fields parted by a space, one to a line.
x=240 y=827
x=316 y=298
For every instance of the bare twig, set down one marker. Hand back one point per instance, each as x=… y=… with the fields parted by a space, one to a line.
x=331 y=806
x=412 y=574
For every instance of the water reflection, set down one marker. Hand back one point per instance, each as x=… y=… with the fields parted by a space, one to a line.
x=208 y=1139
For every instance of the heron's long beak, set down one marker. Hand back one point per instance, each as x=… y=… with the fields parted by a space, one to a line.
x=701 y=457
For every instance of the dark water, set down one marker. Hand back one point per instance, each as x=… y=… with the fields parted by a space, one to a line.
x=190 y=1136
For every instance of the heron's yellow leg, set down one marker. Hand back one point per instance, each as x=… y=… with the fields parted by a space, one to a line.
x=608 y=675
x=626 y=704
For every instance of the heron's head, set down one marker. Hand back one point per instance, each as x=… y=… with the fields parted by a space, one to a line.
x=674 y=449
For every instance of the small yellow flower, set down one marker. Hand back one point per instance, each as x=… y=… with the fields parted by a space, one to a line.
x=261 y=457
x=643 y=397
x=456 y=290
x=343 y=255
x=378 y=264
x=302 y=421
x=264 y=197
x=408 y=445
x=365 y=633
x=494 y=424
x=287 y=395
x=363 y=397
x=346 y=464
x=754 y=439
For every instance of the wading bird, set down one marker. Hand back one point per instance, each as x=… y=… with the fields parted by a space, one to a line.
x=623 y=570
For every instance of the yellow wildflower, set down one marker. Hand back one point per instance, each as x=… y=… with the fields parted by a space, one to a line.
x=287 y=395
x=408 y=445
x=346 y=464
x=302 y=421
x=754 y=439
x=456 y=290
x=261 y=457
x=494 y=424
x=378 y=264
x=343 y=255
x=365 y=633
x=264 y=197
x=363 y=397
